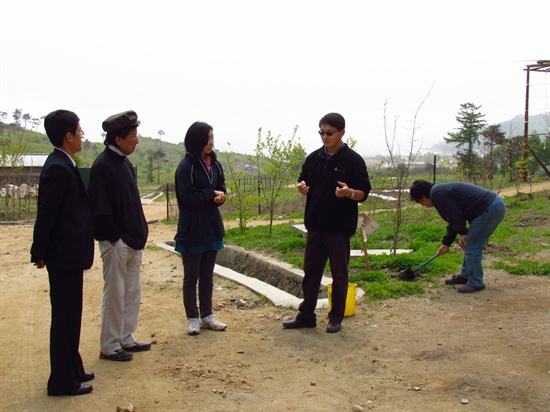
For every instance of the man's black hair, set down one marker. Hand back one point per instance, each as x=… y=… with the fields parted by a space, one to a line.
x=58 y=124
x=420 y=189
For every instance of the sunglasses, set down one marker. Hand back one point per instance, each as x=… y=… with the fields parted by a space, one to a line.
x=322 y=132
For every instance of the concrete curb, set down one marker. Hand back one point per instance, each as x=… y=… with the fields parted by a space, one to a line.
x=273 y=294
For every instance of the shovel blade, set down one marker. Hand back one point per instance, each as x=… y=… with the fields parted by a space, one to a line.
x=407 y=274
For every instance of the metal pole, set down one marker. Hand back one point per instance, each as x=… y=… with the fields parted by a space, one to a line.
x=526 y=127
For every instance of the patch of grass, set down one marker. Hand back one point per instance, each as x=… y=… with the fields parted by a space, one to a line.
x=525 y=229
x=229 y=285
x=153 y=248
x=379 y=285
x=391 y=290
x=524 y=267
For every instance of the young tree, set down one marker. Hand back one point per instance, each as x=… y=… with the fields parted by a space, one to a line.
x=277 y=160
x=399 y=167
x=468 y=138
x=11 y=156
x=244 y=196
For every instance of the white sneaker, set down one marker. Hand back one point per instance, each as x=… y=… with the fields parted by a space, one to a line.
x=210 y=322
x=194 y=327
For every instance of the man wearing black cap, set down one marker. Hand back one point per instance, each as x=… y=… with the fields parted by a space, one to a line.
x=121 y=229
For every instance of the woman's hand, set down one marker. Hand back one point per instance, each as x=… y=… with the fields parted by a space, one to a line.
x=443 y=249
x=220 y=197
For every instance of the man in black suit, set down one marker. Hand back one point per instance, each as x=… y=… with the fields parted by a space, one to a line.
x=63 y=242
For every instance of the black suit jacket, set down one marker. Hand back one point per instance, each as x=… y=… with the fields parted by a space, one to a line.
x=63 y=236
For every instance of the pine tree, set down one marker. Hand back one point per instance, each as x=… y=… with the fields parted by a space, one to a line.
x=467 y=138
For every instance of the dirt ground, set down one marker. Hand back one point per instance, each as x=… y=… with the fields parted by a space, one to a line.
x=442 y=351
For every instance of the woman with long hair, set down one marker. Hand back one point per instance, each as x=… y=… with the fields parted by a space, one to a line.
x=200 y=190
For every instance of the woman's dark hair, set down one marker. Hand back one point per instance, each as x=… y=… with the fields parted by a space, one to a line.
x=333 y=119
x=196 y=138
x=58 y=124
x=420 y=189
x=110 y=138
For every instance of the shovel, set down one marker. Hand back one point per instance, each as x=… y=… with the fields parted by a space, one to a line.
x=410 y=274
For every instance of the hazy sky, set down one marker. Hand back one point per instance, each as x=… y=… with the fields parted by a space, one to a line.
x=242 y=65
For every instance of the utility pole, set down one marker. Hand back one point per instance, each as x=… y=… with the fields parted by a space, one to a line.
x=541 y=66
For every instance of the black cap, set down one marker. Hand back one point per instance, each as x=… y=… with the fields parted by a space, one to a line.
x=120 y=121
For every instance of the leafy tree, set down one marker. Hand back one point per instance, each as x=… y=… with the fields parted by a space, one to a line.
x=244 y=196
x=493 y=137
x=542 y=148
x=158 y=156
x=150 y=166
x=26 y=118
x=35 y=123
x=3 y=117
x=17 y=116
x=160 y=133
x=468 y=138
x=277 y=160
x=11 y=155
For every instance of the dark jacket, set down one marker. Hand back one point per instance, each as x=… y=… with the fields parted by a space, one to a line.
x=458 y=203
x=200 y=222
x=324 y=211
x=116 y=205
x=63 y=236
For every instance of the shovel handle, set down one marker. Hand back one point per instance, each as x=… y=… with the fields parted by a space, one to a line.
x=426 y=262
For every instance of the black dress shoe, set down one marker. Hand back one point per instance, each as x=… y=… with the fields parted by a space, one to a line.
x=88 y=376
x=120 y=355
x=298 y=323
x=83 y=390
x=456 y=280
x=138 y=347
x=334 y=326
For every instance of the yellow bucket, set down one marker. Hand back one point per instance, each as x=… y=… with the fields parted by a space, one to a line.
x=350 y=300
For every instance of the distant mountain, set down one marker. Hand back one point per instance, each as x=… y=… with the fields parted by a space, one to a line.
x=538 y=123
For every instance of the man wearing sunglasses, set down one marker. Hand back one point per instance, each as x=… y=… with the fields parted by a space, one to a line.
x=334 y=178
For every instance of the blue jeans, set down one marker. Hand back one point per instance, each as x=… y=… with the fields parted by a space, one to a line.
x=481 y=228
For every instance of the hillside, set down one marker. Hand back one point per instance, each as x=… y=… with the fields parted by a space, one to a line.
x=39 y=143
x=163 y=169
